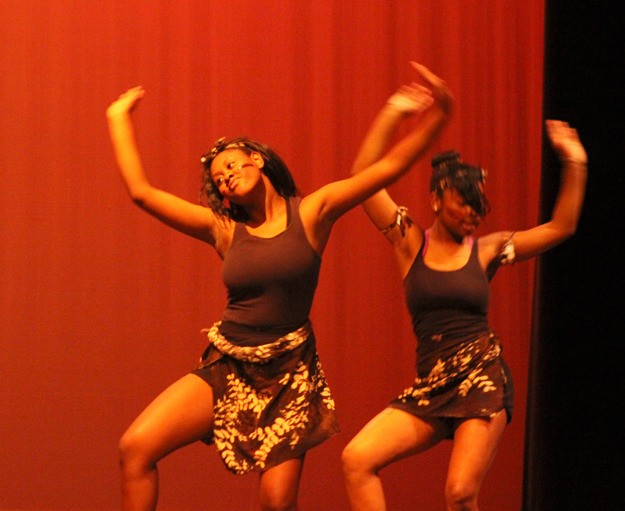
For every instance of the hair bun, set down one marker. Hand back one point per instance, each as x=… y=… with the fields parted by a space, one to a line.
x=443 y=159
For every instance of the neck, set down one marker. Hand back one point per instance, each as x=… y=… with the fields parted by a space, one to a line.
x=273 y=208
x=441 y=234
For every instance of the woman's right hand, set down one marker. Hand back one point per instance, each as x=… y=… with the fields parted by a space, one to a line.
x=126 y=102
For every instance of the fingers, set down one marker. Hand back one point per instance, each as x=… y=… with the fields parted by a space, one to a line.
x=418 y=93
x=553 y=124
x=441 y=91
x=415 y=89
x=410 y=99
x=126 y=101
x=132 y=96
x=134 y=92
x=421 y=69
x=565 y=140
x=426 y=74
x=557 y=128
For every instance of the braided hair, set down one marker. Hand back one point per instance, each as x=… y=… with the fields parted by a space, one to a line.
x=449 y=172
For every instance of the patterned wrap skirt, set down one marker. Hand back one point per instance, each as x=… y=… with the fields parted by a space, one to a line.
x=472 y=381
x=271 y=401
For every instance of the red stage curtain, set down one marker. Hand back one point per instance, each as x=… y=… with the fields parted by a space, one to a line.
x=102 y=306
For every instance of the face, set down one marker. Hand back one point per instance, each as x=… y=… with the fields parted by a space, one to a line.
x=235 y=173
x=456 y=214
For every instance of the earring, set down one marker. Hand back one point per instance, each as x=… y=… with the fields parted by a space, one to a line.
x=435 y=209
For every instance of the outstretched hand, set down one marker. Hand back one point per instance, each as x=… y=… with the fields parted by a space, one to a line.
x=440 y=91
x=415 y=98
x=126 y=102
x=412 y=98
x=565 y=141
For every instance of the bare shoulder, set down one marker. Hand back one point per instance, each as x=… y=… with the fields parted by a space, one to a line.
x=489 y=245
x=312 y=210
x=309 y=204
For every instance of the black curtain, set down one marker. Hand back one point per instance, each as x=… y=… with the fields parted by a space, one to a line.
x=574 y=457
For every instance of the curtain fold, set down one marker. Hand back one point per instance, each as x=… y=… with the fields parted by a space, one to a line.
x=102 y=306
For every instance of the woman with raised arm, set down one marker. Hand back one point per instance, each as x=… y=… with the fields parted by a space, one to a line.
x=462 y=389
x=259 y=392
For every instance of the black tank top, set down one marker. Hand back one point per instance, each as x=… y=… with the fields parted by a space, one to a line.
x=447 y=307
x=271 y=282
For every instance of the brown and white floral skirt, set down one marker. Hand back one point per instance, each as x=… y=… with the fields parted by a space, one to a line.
x=473 y=381
x=271 y=401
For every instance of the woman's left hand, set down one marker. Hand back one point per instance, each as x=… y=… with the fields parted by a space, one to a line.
x=565 y=142
x=440 y=91
x=411 y=99
x=126 y=102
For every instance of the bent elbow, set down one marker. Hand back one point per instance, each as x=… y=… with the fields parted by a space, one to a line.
x=138 y=200
x=565 y=232
x=570 y=228
x=565 y=225
x=138 y=194
x=570 y=231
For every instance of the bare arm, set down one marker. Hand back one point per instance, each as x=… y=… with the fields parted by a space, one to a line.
x=184 y=216
x=407 y=101
x=568 y=205
x=372 y=173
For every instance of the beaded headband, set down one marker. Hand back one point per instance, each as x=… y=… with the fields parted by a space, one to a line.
x=218 y=147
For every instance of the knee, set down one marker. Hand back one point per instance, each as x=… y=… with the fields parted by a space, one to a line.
x=355 y=460
x=279 y=506
x=126 y=447
x=132 y=451
x=461 y=496
x=278 y=501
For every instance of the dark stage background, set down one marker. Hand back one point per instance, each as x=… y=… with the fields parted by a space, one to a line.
x=575 y=404
x=102 y=307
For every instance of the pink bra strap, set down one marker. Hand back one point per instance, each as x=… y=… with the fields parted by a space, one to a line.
x=426 y=242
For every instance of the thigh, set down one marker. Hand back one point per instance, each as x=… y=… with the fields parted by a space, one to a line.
x=394 y=434
x=280 y=484
x=180 y=415
x=475 y=446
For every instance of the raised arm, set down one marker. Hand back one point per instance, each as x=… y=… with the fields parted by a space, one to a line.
x=178 y=213
x=568 y=205
x=434 y=102
x=408 y=101
x=373 y=172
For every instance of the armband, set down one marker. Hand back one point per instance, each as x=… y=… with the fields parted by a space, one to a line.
x=402 y=220
x=506 y=252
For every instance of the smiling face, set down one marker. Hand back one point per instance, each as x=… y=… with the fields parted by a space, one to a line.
x=235 y=173
x=232 y=170
x=455 y=213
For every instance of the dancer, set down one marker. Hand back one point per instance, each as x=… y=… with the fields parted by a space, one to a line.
x=259 y=392
x=462 y=389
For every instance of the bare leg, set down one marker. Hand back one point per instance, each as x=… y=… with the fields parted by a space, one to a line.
x=180 y=415
x=390 y=436
x=279 y=486
x=475 y=445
